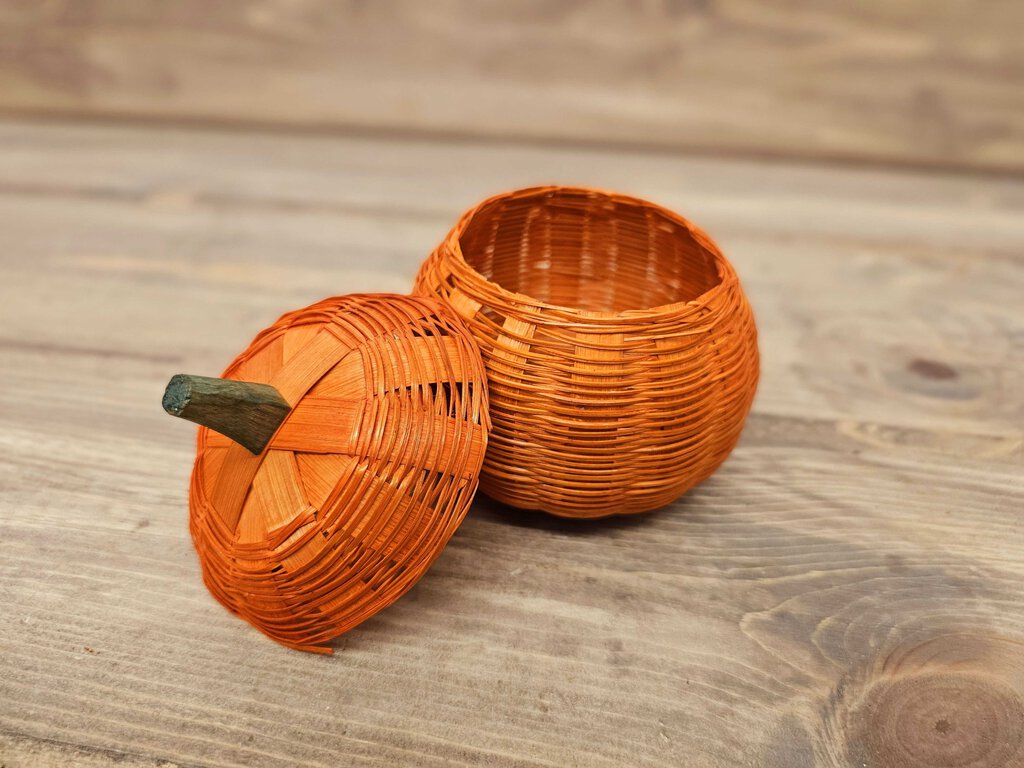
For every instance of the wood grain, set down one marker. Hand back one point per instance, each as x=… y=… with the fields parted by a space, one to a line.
x=846 y=591
x=934 y=83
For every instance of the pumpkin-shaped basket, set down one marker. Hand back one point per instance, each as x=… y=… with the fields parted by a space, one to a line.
x=338 y=454
x=620 y=350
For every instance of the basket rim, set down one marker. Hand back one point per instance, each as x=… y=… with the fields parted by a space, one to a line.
x=726 y=274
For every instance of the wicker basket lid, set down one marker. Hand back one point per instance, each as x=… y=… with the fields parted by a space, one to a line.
x=365 y=443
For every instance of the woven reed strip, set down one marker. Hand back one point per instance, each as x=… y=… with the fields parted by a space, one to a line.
x=364 y=482
x=621 y=352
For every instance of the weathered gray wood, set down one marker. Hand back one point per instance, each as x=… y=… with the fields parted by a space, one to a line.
x=938 y=83
x=847 y=590
x=247 y=412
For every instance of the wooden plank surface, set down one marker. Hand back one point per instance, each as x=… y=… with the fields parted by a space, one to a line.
x=938 y=82
x=846 y=591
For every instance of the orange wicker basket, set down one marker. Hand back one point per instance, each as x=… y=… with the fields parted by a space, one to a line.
x=621 y=352
x=358 y=489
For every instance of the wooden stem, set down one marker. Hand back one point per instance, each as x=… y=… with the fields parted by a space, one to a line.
x=244 y=411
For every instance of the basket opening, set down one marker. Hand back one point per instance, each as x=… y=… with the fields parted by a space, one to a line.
x=588 y=251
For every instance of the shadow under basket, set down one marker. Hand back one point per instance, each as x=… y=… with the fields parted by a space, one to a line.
x=620 y=350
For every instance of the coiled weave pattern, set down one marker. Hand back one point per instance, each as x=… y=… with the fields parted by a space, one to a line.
x=621 y=352
x=364 y=482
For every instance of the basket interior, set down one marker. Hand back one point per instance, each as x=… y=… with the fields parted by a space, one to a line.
x=587 y=250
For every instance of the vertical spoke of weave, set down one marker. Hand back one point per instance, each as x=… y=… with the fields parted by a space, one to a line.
x=621 y=352
x=366 y=479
